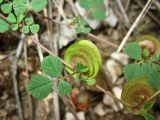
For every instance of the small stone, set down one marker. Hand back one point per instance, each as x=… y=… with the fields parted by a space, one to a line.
x=120 y=57
x=114 y=69
x=100 y=109
x=69 y=116
x=107 y=100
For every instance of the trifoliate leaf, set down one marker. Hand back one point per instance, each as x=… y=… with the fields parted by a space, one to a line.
x=4 y=26
x=14 y=27
x=34 y=28
x=29 y=20
x=133 y=50
x=133 y=71
x=6 y=8
x=52 y=66
x=20 y=18
x=38 y=5
x=91 y=81
x=25 y=29
x=64 y=88
x=11 y=18
x=99 y=14
x=40 y=86
x=82 y=68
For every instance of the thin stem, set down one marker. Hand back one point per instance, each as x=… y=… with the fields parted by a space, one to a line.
x=153 y=96
x=34 y=40
x=136 y=22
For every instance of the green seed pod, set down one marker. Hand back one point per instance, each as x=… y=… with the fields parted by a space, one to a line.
x=135 y=93
x=151 y=42
x=86 y=53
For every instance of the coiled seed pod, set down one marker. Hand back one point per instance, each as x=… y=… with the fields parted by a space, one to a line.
x=86 y=53
x=135 y=93
x=149 y=41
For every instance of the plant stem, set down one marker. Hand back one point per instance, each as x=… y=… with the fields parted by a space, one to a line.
x=153 y=96
x=136 y=22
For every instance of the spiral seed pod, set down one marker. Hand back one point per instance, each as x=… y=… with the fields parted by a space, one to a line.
x=135 y=93
x=149 y=41
x=86 y=53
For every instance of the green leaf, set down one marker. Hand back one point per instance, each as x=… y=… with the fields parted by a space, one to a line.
x=148 y=116
x=146 y=52
x=34 y=28
x=82 y=68
x=14 y=27
x=64 y=88
x=6 y=8
x=40 y=86
x=89 y=4
x=91 y=81
x=133 y=50
x=133 y=71
x=11 y=18
x=1 y=1
x=29 y=20
x=20 y=6
x=82 y=22
x=20 y=17
x=155 y=58
x=152 y=72
x=38 y=5
x=86 y=30
x=147 y=106
x=99 y=14
x=25 y=29
x=4 y=26
x=52 y=66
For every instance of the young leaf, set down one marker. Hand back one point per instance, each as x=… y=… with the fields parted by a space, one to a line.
x=91 y=81
x=52 y=66
x=25 y=29
x=148 y=116
x=14 y=27
x=82 y=68
x=20 y=18
x=64 y=88
x=29 y=20
x=133 y=50
x=11 y=18
x=38 y=5
x=34 y=28
x=40 y=86
x=146 y=52
x=133 y=71
x=6 y=8
x=4 y=26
